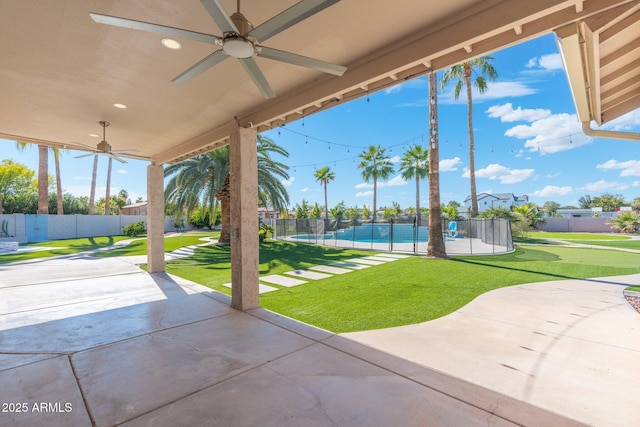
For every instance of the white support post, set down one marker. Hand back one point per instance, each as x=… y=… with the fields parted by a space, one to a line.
x=155 y=218
x=244 y=219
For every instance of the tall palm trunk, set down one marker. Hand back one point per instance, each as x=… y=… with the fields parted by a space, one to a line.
x=417 y=197
x=375 y=193
x=435 y=245
x=224 y=195
x=56 y=157
x=326 y=206
x=107 y=199
x=472 y=162
x=43 y=179
x=92 y=196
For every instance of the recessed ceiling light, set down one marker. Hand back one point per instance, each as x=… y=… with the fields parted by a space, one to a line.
x=93 y=135
x=171 y=44
x=119 y=105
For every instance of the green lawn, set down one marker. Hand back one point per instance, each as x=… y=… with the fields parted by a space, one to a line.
x=401 y=292
x=576 y=236
x=62 y=247
x=624 y=244
x=211 y=265
x=139 y=247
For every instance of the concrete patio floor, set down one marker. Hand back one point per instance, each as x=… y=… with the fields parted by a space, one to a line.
x=97 y=341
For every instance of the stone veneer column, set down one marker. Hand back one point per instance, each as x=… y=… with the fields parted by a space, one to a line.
x=244 y=219
x=155 y=218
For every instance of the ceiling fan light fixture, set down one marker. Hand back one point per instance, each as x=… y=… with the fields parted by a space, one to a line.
x=238 y=47
x=171 y=44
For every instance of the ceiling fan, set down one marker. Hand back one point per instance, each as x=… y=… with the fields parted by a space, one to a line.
x=103 y=147
x=239 y=40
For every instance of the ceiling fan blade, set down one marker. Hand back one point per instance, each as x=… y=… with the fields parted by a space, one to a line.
x=85 y=155
x=258 y=78
x=296 y=13
x=154 y=28
x=195 y=70
x=133 y=150
x=114 y=157
x=303 y=61
x=80 y=144
x=218 y=14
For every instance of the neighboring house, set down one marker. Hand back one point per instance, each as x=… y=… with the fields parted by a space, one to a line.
x=268 y=213
x=134 y=209
x=488 y=201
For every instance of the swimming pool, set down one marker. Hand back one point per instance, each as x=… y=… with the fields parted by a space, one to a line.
x=376 y=233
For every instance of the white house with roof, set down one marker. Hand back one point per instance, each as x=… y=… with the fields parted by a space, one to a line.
x=505 y=200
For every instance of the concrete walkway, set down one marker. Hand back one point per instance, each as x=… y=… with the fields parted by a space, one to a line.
x=98 y=342
x=570 y=346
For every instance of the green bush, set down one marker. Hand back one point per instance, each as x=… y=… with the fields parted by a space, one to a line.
x=134 y=229
x=626 y=222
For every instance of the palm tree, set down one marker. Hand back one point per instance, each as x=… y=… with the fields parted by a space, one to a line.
x=43 y=175
x=435 y=243
x=375 y=164
x=325 y=175
x=204 y=179
x=107 y=199
x=462 y=73
x=415 y=164
x=56 y=157
x=92 y=194
x=43 y=180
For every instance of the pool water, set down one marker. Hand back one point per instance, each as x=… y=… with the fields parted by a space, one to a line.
x=376 y=233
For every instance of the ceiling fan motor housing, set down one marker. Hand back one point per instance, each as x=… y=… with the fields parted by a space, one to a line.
x=104 y=147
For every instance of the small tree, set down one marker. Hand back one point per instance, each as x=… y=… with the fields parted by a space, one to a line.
x=302 y=210
x=316 y=211
x=366 y=212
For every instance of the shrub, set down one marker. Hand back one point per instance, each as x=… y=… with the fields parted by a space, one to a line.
x=626 y=222
x=264 y=231
x=134 y=229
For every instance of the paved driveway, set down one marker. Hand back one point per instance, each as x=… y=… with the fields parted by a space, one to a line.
x=570 y=346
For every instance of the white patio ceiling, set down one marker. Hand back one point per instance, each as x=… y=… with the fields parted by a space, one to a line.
x=61 y=72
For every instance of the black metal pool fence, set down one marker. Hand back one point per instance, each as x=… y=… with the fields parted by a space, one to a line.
x=462 y=237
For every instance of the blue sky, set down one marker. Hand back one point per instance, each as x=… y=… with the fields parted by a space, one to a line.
x=528 y=141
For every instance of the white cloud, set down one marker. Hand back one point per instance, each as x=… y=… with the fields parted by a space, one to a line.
x=395 y=181
x=288 y=182
x=364 y=194
x=549 y=62
x=506 y=113
x=305 y=189
x=122 y=171
x=393 y=89
x=629 y=168
x=503 y=173
x=627 y=122
x=395 y=159
x=495 y=90
x=552 y=134
x=553 y=190
x=604 y=185
x=636 y=184
x=449 y=165
x=364 y=185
